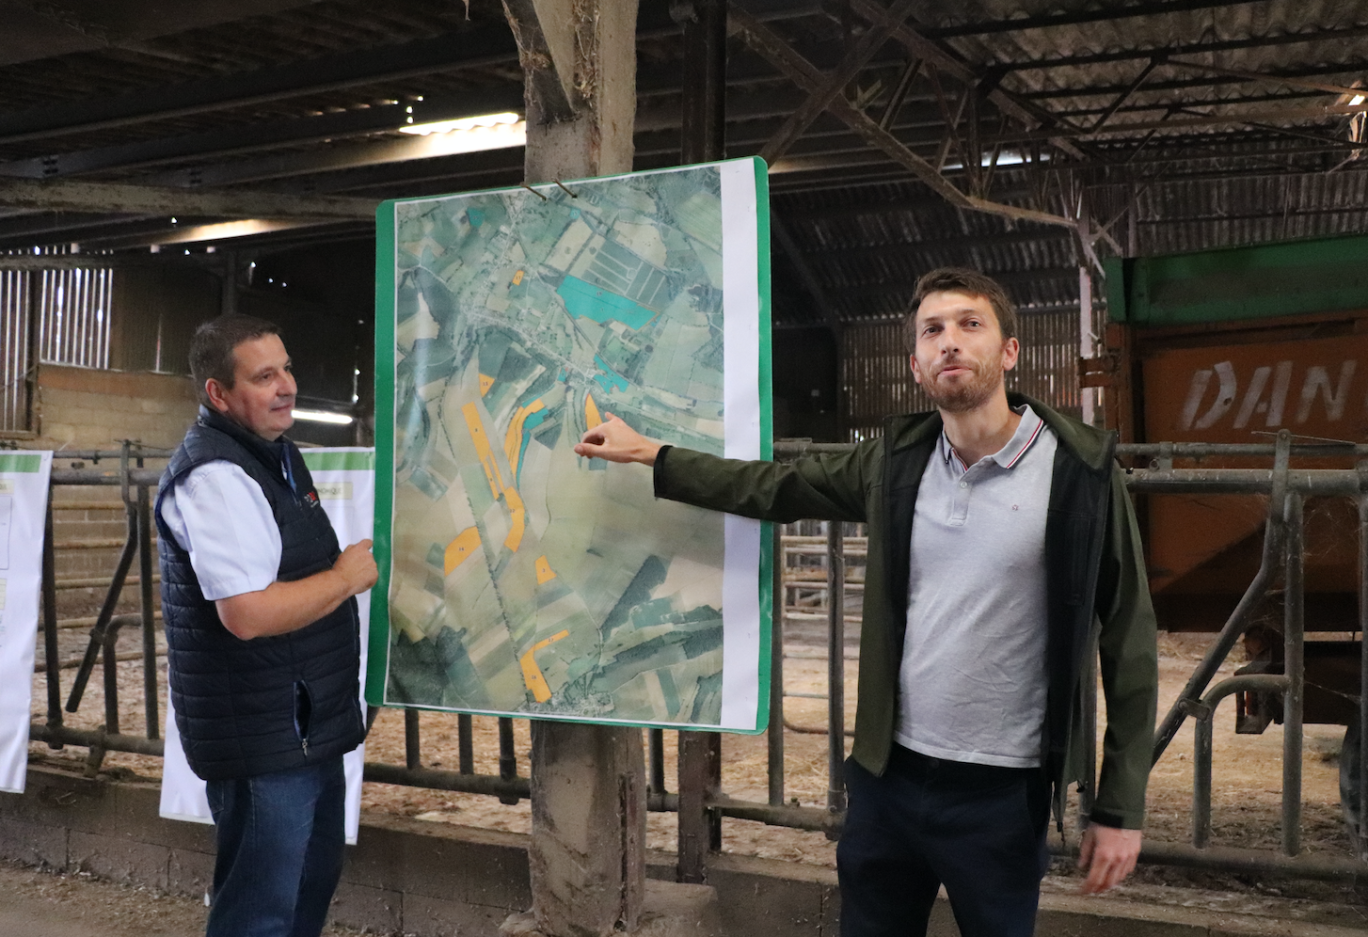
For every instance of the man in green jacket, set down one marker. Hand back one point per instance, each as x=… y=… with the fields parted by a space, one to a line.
x=1003 y=549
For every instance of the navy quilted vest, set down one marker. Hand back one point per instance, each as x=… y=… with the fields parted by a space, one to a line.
x=269 y=704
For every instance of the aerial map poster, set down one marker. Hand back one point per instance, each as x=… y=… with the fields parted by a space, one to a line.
x=520 y=578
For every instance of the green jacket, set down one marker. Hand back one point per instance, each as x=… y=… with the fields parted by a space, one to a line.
x=1097 y=589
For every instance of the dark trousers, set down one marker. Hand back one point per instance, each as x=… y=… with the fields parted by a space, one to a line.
x=977 y=830
x=280 y=843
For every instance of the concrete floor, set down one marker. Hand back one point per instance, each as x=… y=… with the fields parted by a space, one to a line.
x=34 y=903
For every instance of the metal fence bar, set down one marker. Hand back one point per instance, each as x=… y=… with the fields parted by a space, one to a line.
x=1235 y=626
x=836 y=800
x=774 y=734
x=465 y=744
x=1294 y=610
x=413 y=755
x=151 y=709
x=1287 y=486
x=1204 y=718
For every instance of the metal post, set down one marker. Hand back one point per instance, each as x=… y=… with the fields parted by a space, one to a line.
x=775 y=732
x=1294 y=670
x=465 y=744
x=508 y=757
x=655 y=743
x=705 y=79
x=50 y=651
x=109 y=644
x=413 y=754
x=1201 y=779
x=149 y=623
x=835 y=667
x=700 y=828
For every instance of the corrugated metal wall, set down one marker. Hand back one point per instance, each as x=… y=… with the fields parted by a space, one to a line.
x=878 y=380
x=14 y=351
x=74 y=315
x=73 y=329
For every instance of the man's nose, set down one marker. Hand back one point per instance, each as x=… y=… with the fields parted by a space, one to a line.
x=287 y=385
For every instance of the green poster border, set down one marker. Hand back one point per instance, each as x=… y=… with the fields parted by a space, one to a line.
x=766 y=391
x=377 y=664
x=386 y=247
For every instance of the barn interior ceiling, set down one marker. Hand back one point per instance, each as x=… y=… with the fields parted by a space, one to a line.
x=1025 y=138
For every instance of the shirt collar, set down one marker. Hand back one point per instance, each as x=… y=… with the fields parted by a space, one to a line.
x=1027 y=431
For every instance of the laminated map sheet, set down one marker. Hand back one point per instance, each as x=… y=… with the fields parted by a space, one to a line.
x=518 y=578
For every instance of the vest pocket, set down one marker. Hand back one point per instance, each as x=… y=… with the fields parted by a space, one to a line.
x=303 y=713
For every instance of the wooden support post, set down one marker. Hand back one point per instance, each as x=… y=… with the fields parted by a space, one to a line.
x=704 y=112
x=587 y=852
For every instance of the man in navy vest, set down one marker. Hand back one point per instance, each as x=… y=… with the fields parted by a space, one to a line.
x=263 y=637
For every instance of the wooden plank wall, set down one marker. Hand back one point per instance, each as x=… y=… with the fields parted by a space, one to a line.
x=878 y=380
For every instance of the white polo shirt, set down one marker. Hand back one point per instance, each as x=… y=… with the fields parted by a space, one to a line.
x=973 y=683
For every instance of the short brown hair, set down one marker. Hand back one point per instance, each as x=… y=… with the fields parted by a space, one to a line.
x=960 y=280
x=211 y=350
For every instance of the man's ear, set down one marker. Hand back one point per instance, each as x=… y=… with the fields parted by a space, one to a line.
x=916 y=371
x=1011 y=349
x=214 y=391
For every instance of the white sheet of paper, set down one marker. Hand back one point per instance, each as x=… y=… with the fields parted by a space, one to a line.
x=348 y=496
x=23 y=506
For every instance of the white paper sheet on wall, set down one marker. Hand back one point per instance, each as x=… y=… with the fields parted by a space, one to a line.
x=23 y=505
x=345 y=479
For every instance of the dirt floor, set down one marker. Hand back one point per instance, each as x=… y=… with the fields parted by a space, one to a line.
x=35 y=903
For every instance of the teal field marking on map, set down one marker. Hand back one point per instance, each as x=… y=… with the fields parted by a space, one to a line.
x=524 y=578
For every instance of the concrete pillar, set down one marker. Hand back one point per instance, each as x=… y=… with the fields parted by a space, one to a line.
x=587 y=854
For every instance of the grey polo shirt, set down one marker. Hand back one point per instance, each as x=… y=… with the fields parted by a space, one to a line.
x=973 y=683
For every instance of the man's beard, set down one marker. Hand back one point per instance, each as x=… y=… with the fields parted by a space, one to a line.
x=968 y=395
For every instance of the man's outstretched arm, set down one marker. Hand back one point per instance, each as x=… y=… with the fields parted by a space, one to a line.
x=615 y=441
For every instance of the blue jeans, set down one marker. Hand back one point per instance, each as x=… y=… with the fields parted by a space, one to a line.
x=280 y=839
x=976 y=829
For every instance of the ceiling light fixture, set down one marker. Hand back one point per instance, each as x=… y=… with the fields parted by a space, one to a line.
x=323 y=416
x=471 y=134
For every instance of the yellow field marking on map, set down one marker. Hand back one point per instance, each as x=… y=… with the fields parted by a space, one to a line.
x=544 y=571
x=591 y=412
x=519 y=515
x=460 y=549
x=486 y=382
x=532 y=675
x=517 y=278
x=482 y=448
x=513 y=438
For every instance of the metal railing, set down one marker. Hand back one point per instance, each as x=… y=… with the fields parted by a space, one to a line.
x=1286 y=487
